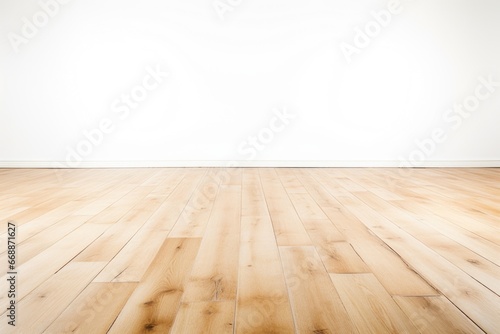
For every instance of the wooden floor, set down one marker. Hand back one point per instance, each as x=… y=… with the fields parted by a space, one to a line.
x=286 y=250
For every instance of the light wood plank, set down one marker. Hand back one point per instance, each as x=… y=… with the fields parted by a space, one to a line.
x=168 y=213
x=46 y=220
x=44 y=265
x=94 y=310
x=389 y=268
x=194 y=217
x=116 y=237
x=46 y=238
x=436 y=314
x=153 y=305
x=288 y=228
x=369 y=305
x=340 y=257
x=120 y=208
x=306 y=207
x=263 y=304
x=316 y=305
x=205 y=317
x=289 y=181
x=476 y=266
x=48 y=301
x=252 y=195
x=464 y=291
x=215 y=272
x=130 y=264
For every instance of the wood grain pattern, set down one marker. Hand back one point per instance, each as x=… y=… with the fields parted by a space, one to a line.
x=194 y=217
x=436 y=314
x=154 y=303
x=288 y=227
x=44 y=265
x=262 y=304
x=253 y=250
x=116 y=236
x=369 y=305
x=205 y=317
x=388 y=266
x=215 y=273
x=311 y=291
x=45 y=303
x=94 y=310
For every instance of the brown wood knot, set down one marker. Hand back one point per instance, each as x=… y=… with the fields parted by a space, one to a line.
x=320 y=331
x=150 y=326
x=473 y=261
x=333 y=256
x=169 y=291
x=210 y=311
x=149 y=303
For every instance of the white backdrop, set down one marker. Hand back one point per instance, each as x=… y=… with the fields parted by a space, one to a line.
x=166 y=82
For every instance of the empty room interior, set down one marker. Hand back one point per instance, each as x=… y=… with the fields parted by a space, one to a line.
x=232 y=166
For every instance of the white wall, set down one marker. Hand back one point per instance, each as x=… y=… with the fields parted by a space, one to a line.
x=229 y=75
